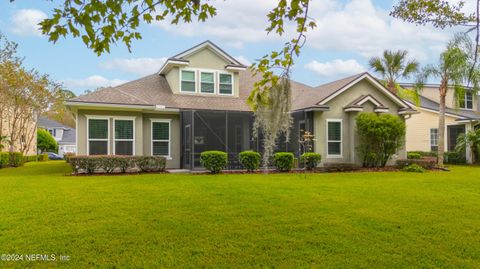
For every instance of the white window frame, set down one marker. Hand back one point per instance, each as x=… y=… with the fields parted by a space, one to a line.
x=233 y=83
x=431 y=144
x=195 y=80
x=96 y=139
x=169 y=121
x=113 y=134
x=465 y=100
x=215 y=86
x=341 y=138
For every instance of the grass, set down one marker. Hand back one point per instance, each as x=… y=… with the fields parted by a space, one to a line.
x=359 y=220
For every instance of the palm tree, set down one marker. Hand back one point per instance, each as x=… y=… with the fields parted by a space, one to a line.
x=471 y=139
x=393 y=66
x=454 y=69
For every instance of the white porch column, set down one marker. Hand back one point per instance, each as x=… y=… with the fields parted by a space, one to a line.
x=468 y=152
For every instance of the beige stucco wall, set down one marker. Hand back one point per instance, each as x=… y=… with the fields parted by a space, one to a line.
x=349 y=137
x=203 y=59
x=142 y=132
x=418 y=129
x=175 y=137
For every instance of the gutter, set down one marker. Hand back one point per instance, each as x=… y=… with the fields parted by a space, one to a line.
x=109 y=105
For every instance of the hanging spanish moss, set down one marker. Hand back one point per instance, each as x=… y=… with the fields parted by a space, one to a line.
x=272 y=116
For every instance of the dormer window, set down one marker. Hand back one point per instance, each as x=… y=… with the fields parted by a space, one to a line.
x=226 y=84
x=207 y=83
x=188 y=81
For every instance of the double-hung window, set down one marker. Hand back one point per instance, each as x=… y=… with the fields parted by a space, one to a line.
x=98 y=136
x=226 y=84
x=124 y=137
x=188 y=81
x=434 y=139
x=334 y=138
x=161 y=137
x=467 y=101
x=207 y=82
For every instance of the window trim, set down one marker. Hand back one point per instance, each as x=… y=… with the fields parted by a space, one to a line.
x=233 y=83
x=200 y=71
x=335 y=156
x=431 y=144
x=195 y=80
x=169 y=121
x=96 y=139
x=113 y=134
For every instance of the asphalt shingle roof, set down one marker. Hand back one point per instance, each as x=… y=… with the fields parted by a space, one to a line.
x=462 y=113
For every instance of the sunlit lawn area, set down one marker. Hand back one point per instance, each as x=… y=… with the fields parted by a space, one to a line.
x=353 y=220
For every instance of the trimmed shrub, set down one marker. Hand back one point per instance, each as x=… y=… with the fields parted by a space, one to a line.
x=16 y=159
x=250 y=160
x=66 y=156
x=4 y=159
x=214 y=161
x=413 y=155
x=112 y=163
x=310 y=160
x=424 y=163
x=453 y=157
x=149 y=163
x=415 y=168
x=42 y=157
x=31 y=158
x=283 y=161
x=425 y=153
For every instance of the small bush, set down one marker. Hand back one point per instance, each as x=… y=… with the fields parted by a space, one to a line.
x=415 y=168
x=424 y=153
x=16 y=159
x=214 y=161
x=42 y=157
x=149 y=163
x=453 y=157
x=310 y=160
x=283 y=161
x=424 y=163
x=4 y=159
x=250 y=160
x=31 y=158
x=413 y=155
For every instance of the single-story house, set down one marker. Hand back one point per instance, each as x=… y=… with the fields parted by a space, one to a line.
x=64 y=135
x=461 y=115
x=197 y=102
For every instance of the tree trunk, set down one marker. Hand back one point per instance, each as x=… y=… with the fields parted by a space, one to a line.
x=441 y=125
x=392 y=87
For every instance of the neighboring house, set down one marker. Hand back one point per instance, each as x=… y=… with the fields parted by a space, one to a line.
x=64 y=135
x=422 y=129
x=197 y=102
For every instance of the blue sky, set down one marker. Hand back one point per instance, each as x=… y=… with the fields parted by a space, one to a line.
x=349 y=32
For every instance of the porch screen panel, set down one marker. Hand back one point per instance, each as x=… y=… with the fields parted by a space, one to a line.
x=97 y=136
x=161 y=138
x=209 y=133
x=124 y=137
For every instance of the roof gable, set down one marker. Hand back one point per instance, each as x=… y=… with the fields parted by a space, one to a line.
x=341 y=86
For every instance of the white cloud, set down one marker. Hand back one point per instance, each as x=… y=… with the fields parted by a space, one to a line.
x=357 y=26
x=336 y=67
x=92 y=82
x=242 y=59
x=137 y=66
x=25 y=22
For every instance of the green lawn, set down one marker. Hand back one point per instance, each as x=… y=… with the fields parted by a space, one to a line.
x=359 y=220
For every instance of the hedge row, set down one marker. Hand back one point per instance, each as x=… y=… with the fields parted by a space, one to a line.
x=35 y=158
x=216 y=161
x=115 y=163
x=11 y=159
x=424 y=163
